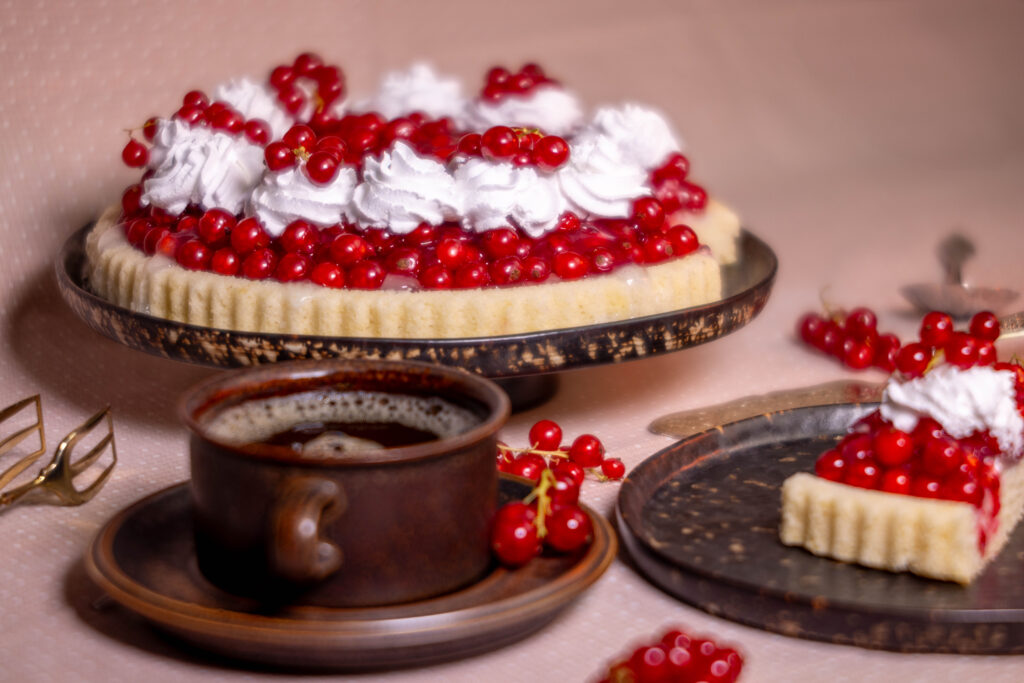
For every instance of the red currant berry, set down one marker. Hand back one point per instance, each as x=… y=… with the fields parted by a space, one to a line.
x=322 y=167
x=961 y=350
x=193 y=254
x=499 y=242
x=300 y=237
x=566 y=466
x=228 y=120
x=472 y=275
x=195 y=98
x=550 y=153
x=684 y=240
x=568 y=265
x=403 y=261
x=282 y=76
x=913 y=359
x=135 y=154
x=830 y=465
x=985 y=325
x=926 y=430
x=149 y=128
x=366 y=274
x=278 y=156
x=926 y=487
x=515 y=543
x=153 y=237
x=259 y=264
x=936 y=329
x=545 y=435
x=676 y=168
x=856 y=447
x=940 y=457
x=613 y=468
x=693 y=197
x=601 y=260
x=657 y=248
x=863 y=473
x=423 y=235
x=565 y=491
x=451 y=252
x=499 y=143
x=135 y=232
x=587 y=451
x=886 y=348
x=529 y=466
x=328 y=274
x=436 y=277
x=130 y=200
x=257 y=131
x=248 y=235
x=225 y=261
x=306 y=63
x=498 y=75
x=292 y=267
x=649 y=214
x=862 y=324
x=963 y=488
x=214 y=226
x=811 y=329
x=893 y=447
x=649 y=663
x=569 y=529
x=986 y=352
x=300 y=136
x=896 y=481
x=469 y=144
x=536 y=269
x=348 y=249
x=568 y=222
x=858 y=356
x=506 y=270
x=291 y=99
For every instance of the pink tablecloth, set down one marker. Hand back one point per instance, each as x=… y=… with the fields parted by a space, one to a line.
x=850 y=135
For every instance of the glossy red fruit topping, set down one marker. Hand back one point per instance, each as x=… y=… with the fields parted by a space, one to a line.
x=649 y=214
x=830 y=465
x=300 y=137
x=913 y=359
x=259 y=264
x=936 y=329
x=135 y=154
x=322 y=166
x=892 y=447
x=569 y=265
x=328 y=274
x=961 y=350
x=499 y=143
x=366 y=274
x=985 y=325
x=279 y=156
x=550 y=153
x=194 y=255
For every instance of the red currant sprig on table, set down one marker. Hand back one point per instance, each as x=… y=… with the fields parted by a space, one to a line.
x=677 y=657
x=852 y=338
x=520 y=146
x=546 y=453
x=962 y=349
x=549 y=516
x=501 y=83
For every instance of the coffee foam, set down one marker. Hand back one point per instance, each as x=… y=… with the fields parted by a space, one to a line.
x=259 y=419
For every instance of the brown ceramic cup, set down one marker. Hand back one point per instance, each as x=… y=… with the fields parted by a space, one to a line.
x=342 y=529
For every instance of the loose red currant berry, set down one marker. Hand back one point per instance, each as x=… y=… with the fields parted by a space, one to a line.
x=193 y=254
x=568 y=222
x=569 y=529
x=613 y=468
x=649 y=214
x=436 y=277
x=248 y=235
x=366 y=274
x=830 y=465
x=568 y=265
x=550 y=153
x=961 y=350
x=499 y=143
x=259 y=264
x=587 y=451
x=936 y=329
x=515 y=543
x=545 y=435
x=913 y=359
x=300 y=136
x=328 y=274
x=893 y=447
x=214 y=226
x=896 y=481
x=985 y=325
x=498 y=75
x=278 y=156
x=926 y=487
x=322 y=167
x=135 y=154
x=225 y=261
x=863 y=473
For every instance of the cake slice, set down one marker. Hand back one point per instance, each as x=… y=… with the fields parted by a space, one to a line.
x=932 y=482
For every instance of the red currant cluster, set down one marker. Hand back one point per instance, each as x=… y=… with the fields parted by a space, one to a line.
x=521 y=146
x=677 y=657
x=501 y=83
x=673 y=190
x=852 y=338
x=327 y=83
x=197 y=110
x=546 y=453
x=549 y=516
x=962 y=349
x=322 y=156
x=370 y=133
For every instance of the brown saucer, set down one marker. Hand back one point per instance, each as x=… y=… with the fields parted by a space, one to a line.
x=701 y=520
x=144 y=558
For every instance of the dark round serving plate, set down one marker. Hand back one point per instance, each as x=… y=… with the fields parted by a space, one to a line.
x=144 y=558
x=701 y=520
x=746 y=286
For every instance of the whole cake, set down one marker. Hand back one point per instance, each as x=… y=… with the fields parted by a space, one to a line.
x=415 y=213
x=932 y=482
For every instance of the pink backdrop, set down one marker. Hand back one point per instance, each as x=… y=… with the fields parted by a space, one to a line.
x=850 y=135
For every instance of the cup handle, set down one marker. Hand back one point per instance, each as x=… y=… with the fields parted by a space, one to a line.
x=297 y=552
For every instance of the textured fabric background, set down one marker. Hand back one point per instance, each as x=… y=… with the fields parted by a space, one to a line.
x=850 y=135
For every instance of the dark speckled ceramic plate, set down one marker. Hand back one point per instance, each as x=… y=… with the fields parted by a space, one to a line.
x=746 y=288
x=701 y=520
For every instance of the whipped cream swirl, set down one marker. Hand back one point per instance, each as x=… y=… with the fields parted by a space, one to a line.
x=195 y=165
x=418 y=89
x=285 y=196
x=255 y=101
x=497 y=195
x=962 y=401
x=403 y=189
x=642 y=135
x=548 y=107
